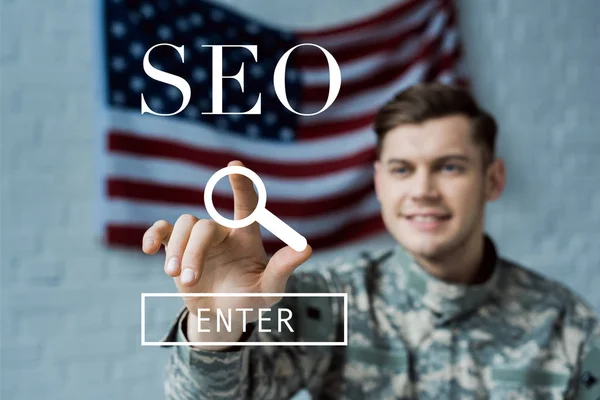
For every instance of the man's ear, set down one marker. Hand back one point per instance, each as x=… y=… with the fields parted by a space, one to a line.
x=495 y=179
x=377 y=171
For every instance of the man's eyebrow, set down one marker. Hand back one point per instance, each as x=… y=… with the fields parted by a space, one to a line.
x=397 y=161
x=456 y=157
x=448 y=157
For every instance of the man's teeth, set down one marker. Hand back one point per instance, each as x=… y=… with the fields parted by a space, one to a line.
x=426 y=218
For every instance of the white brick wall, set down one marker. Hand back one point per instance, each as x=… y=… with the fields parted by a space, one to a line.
x=70 y=309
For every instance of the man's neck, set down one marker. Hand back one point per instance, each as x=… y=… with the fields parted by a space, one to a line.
x=463 y=266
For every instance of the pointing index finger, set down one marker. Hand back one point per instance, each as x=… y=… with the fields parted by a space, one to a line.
x=245 y=197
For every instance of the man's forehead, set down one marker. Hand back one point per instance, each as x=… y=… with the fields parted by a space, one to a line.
x=431 y=139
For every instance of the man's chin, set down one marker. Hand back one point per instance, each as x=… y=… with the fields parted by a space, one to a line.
x=429 y=248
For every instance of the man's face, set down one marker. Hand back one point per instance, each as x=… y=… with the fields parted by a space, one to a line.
x=432 y=186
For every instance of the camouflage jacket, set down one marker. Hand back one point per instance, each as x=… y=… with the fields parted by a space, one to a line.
x=518 y=335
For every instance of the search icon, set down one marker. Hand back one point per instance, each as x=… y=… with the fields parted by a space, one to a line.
x=261 y=215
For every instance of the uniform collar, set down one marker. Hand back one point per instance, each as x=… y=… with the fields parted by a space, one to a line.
x=446 y=300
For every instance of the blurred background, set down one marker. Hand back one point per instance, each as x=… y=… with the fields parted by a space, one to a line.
x=70 y=305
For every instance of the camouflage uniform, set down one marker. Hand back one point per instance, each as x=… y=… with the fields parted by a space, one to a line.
x=518 y=335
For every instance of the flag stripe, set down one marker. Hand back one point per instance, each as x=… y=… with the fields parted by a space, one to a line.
x=357 y=69
x=384 y=16
x=375 y=33
x=384 y=74
x=171 y=194
x=185 y=133
x=181 y=174
x=312 y=58
x=369 y=102
x=318 y=132
x=130 y=235
x=370 y=80
x=141 y=212
x=128 y=143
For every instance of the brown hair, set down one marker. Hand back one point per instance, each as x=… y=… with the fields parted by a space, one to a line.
x=425 y=101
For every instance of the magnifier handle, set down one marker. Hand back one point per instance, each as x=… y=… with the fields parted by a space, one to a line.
x=282 y=230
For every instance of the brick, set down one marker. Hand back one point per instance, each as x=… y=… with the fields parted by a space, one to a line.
x=21 y=356
x=34 y=327
x=141 y=366
x=40 y=381
x=102 y=342
x=88 y=372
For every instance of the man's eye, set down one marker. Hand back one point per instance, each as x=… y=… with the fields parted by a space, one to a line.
x=399 y=171
x=451 y=168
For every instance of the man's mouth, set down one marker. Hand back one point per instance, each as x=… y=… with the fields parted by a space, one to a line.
x=427 y=221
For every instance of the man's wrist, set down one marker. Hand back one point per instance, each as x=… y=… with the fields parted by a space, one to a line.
x=192 y=333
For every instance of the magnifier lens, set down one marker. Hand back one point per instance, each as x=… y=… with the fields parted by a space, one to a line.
x=258 y=185
x=260 y=214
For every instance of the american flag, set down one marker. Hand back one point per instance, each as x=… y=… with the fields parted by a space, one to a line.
x=317 y=169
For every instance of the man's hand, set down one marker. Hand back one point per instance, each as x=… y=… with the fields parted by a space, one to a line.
x=205 y=257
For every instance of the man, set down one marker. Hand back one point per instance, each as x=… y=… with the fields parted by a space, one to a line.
x=439 y=316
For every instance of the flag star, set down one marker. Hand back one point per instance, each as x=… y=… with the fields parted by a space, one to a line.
x=252 y=29
x=199 y=74
x=286 y=134
x=118 y=63
x=134 y=17
x=136 y=49
x=196 y=19
x=256 y=71
x=292 y=75
x=156 y=104
x=222 y=124
x=118 y=29
x=173 y=93
x=182 y=25
x=118 y=97
x=271 y=118
x=158 y=66
x=137 y=84
x=187 y=53
x=234 y=109
x=231 y=33
x=147 y=10
x=251 y=100
x=234 y=84
x=445 y=79
x=205 y=104
x=252 y=131
x=164 y=32
x=217 y=15
x=191 y=112
x=199 y=42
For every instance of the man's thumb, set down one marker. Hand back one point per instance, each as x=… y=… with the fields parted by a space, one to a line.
x=280 y=268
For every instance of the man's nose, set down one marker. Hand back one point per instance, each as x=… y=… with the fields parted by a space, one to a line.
x=424 y=186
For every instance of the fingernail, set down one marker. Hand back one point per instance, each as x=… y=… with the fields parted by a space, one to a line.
x=187 y=275
x=148 y=243
x=173 y=265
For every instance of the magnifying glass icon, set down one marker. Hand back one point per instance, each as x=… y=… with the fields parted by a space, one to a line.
x=260 y=214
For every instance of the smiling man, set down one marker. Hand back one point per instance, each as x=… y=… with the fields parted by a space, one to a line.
x=439 y=316
x=434 y=173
